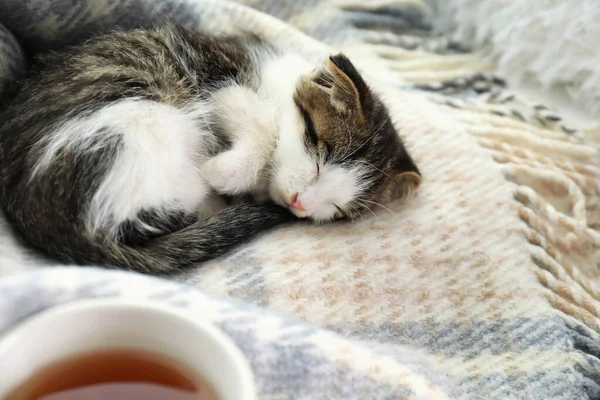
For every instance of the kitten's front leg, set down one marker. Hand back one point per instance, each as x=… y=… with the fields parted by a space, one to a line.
x=234 y=172
x=249 y=123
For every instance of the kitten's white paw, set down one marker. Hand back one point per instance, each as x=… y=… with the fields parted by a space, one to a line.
x=232 y=172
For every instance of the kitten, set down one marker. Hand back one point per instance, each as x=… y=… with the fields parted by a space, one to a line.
x=117 y=152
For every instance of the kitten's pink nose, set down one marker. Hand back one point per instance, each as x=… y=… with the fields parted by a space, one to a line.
x=296 y=203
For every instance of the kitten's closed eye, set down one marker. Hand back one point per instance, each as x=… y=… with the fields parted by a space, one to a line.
x=324 y=148
x=327 y=151
x=309 y=127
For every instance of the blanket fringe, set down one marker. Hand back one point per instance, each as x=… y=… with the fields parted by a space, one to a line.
x=556 y=171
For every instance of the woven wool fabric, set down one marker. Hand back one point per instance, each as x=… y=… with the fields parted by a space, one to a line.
x=484 y=285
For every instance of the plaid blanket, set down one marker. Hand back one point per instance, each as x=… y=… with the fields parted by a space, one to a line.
x=483 y=286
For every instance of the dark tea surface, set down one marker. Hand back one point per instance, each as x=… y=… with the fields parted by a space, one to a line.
x=115 y=375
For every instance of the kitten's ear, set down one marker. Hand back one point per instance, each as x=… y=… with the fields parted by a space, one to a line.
x=403 y=184
x=348 y=84
x=405 y=178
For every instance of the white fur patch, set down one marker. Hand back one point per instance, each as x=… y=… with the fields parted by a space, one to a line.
x=157 y=166
x=280 y=76
x=249 y=122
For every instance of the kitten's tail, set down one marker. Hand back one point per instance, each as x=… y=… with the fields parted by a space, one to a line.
x=201 y=241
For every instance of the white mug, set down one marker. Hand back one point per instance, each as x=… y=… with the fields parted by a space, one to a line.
x=90 y=325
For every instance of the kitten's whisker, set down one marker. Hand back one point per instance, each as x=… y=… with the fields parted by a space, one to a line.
x=372 y=212
x=380 y=205
x=357 y=212
x=360 y=147
x=374 y=167
x=368 y=208
x=366 y=141
x=348 y=147
x=341 y=211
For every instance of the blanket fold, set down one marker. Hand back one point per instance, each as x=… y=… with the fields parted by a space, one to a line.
x=485 y=285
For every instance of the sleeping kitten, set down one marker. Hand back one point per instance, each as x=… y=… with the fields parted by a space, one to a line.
x=117 y=152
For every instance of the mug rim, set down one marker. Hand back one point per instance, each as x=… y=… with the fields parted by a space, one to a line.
x=224 y=341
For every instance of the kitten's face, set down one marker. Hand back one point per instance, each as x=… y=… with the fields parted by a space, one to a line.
x=338 y=153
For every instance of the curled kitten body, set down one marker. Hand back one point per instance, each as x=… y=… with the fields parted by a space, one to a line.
x=113 y=151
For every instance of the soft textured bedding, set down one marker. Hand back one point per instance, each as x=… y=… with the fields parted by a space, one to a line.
x=551 y=42
x=484 y=285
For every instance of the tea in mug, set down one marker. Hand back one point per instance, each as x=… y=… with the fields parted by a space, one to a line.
x=116 y=375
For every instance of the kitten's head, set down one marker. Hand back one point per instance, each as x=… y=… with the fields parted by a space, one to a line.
x=338 y=153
